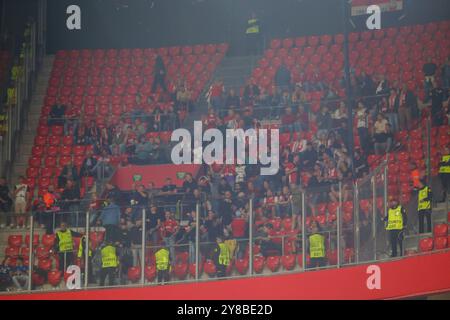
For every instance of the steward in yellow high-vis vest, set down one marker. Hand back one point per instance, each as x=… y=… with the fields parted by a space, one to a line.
x=81 y=255
x=444 y=172
x=64 y=245
x=424 y=198
x=253 y=34
x=162 y=257
x=396 y=222
x=221 y=257
x=110 y=262
x=316 y=246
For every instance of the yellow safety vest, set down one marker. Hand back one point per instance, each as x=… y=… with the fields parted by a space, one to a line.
x=109 y=257
x=423 y=204
x=316 y=246
x=11 y=96
x=395 y=219
x=445 y=168
x=80 y=248
x=224 y=256
x=253 y=26
x=15 y=72
x=162 y=259
x=65 y=241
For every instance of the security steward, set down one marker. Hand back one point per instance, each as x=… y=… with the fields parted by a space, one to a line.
x=253 y=34
x=221 y=256
x=162 y=257
x=444 y=172
x=317 y=246
x=81 y=256
x=110 y=262
x=64 y=246
x=424 y=199
x=396 y=222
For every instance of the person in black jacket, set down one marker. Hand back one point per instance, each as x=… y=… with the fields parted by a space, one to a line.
x=160 y=75
x=69 y=172
x=70 y=198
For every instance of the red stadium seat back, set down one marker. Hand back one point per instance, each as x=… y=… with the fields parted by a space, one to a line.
x=273 y=263
x=441 y=230
x=210 y=268
x=15 y=240
x=300 y=260
x=288 y=261
x=180 y=270
x=332 y=257
x=440 y=243
x=349 y=255
x=12 y=252
x=426 y=244
x=134 y=274
x=192 y=270
x=242 y=265
x=182 y=257
x=258 y=264
x=150 y=273
x=45 y=264
x=48 y=240
x=287 y=224
x=43 y=251
x=54 y=277
x=37 y=279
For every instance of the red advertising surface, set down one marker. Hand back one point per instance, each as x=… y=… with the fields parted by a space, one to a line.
x=419 y=275
x=126 y=176
x=359 y=7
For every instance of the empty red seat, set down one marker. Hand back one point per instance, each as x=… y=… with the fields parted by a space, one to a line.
x=258 y=264
x=332 y=257
x=300 y=260
x=79 y=150
x=34 y=162
x=54 y=277
x=50 y=162
x=15 y=240
x=192 y=270
x=57 y=130
x=242 y=265
x=426 y=244
x=45 y=264
x=349 y=255
x=180 y=270
x=43 y=252
x=54 y=140
x=440 y=243
x=273 y=263
x=150 y=273
x=48 y=240
x=37 y=279
x=210 y=268
x=441 y=230
x=288 y=261
x=134 y=274
x=12 y=252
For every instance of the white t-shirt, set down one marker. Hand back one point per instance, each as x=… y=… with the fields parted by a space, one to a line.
x=362 y=118
x=22 y=194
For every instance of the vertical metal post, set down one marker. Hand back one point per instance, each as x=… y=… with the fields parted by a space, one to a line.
x=374 y=217
x=86 y=251
x=143 y=248
x=357 y=222
x=428 y=160
x=197 y=241
x=385 y=189
x=30 y=255
x=303 y=231
x=250 y=235
x=339 y=227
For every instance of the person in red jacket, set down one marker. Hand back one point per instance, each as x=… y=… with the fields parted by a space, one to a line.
x=169 y=230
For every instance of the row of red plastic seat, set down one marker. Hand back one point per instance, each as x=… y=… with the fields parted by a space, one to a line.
x=148 y=52
x=432 y=29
